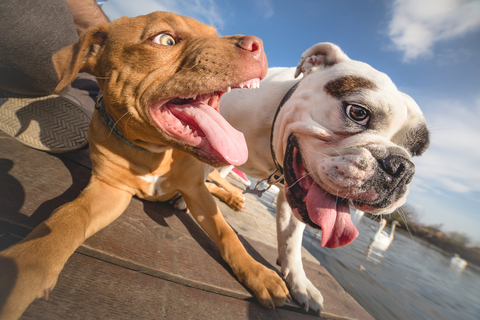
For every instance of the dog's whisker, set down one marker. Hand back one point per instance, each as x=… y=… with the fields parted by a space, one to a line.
x=404 y=218
x=189 y=68
x=116 y=122
x=337 y=151
x=346 y=196
x=126 y=122
x=301 y=178
x=372 y=221
x=336 y=200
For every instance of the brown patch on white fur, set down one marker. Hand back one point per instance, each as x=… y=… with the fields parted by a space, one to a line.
x=343 y=86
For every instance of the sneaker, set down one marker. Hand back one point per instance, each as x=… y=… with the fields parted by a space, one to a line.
x=240 y=176
x=54 y=123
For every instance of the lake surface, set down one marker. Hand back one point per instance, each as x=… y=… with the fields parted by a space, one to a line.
x=410 y=280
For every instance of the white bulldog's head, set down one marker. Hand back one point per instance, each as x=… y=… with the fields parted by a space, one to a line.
x=349 y=137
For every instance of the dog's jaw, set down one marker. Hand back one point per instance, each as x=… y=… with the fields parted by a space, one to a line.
x=320 y=192
x=313 y=205
x=195 y=120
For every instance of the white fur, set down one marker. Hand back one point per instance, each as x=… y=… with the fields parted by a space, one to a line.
x=155 y=184
x=314 y=117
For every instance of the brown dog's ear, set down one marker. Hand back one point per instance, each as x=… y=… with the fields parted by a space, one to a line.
x=80 y=56
x=325 y=54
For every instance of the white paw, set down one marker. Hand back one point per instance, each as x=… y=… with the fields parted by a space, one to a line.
x=304 y=292
x=179 y=203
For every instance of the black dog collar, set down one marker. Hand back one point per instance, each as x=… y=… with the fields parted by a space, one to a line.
x=112 y=124
x=277 y=175
x=278 y=167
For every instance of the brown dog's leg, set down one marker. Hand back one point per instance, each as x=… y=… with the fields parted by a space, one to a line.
x=225 y=191
x=31 y=267
x=265 y=283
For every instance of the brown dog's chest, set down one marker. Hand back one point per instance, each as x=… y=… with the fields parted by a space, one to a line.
x=169 y=179
x=163 y=183
x=148 y=175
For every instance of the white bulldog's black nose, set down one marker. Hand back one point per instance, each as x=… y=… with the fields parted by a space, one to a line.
x=397 y=168
x=390 y=180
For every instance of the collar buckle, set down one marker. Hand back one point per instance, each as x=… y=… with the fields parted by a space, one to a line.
x=272 y=179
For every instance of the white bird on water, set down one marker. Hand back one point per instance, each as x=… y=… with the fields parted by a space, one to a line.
x=382 y=239
x=458 y=262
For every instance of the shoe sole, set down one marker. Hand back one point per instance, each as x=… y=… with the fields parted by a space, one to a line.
x=52 y=123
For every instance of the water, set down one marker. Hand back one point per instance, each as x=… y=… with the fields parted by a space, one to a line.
x=411 y=280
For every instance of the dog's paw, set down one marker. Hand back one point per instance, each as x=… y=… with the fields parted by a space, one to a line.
x=269 y=288
x=179 y=203
x=236 y=201
x=23 y=280
x=304 y=292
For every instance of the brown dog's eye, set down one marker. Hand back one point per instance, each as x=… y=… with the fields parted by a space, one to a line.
x=164 y=39
x=358 y=114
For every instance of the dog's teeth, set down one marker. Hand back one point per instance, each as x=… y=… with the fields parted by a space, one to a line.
x=241 y=86
x=229 y=89
x=194 y=97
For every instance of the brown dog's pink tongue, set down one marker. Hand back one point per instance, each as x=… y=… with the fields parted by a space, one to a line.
x=332 y=216
x=226 y=140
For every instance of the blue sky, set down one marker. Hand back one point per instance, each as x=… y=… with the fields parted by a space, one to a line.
x=430 y=49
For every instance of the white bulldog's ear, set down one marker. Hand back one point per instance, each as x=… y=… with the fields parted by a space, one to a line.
x=324 y=53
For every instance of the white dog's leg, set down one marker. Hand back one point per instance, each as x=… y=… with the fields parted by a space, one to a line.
x=290 y=234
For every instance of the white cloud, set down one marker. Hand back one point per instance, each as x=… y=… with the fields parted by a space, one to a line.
x=205 y=11
x=453 y=211
x=266 y=7
x=451 y=164
x=417 y=25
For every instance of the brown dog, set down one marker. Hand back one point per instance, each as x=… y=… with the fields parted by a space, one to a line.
x=162 y=76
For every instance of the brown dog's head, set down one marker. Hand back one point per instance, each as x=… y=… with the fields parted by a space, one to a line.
x=162 y=76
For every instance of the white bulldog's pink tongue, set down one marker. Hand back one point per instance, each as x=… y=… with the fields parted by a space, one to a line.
x=332 y=216
x=226 y=140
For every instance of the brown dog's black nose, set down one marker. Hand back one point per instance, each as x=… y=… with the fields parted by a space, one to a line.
x=397 y=167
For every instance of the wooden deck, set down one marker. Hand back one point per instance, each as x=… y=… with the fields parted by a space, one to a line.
x=153 y=262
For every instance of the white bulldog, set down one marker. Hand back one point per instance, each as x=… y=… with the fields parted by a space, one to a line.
x=344 y=135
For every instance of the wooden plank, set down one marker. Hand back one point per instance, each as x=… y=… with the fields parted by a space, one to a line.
x=151 y=238
x=81 y=157
x=34 y=183
x=257 y=231
x=92 y=289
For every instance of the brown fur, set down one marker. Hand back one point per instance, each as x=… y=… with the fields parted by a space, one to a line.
x=133 y=73
x=348 y=84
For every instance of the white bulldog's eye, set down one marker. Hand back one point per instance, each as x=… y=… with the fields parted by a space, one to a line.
x=358 y=114
x=164 y=39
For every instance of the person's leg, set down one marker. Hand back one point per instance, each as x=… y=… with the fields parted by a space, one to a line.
x=28 y=111
x=32 y=31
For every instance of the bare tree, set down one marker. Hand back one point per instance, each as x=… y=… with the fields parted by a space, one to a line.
x=459 y=238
